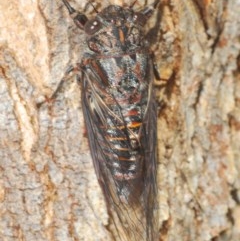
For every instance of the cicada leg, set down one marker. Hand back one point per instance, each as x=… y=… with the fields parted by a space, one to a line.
x=71 y=69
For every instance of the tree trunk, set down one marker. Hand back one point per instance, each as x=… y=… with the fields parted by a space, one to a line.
x=48 y=188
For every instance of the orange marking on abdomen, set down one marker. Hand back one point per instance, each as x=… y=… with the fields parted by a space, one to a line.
x=134 y=125
x=121 y=36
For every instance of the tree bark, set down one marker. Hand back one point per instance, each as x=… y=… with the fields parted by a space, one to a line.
x=48 y=188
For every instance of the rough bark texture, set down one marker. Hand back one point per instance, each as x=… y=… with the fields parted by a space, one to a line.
x=48 y=189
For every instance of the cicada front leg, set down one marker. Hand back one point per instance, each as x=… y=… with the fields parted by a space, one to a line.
x=72 y=69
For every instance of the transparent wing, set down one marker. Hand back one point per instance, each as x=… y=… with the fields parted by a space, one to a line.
x=135 y=214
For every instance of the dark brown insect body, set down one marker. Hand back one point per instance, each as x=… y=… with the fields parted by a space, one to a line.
x=120 y=114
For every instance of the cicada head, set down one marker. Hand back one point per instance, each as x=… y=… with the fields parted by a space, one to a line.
x=116 y=29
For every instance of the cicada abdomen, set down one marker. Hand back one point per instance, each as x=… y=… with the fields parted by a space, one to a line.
x=120 y=115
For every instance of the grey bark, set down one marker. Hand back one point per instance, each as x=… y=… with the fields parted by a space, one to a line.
x=48 y=188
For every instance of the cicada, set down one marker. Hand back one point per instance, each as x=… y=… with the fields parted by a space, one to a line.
x=120 y=112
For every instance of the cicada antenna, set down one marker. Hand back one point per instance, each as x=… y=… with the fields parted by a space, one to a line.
x=148 y=10
x=132 y=5
x=94 y=8
x=79 y=18
x=70 y=9
x=156 y=3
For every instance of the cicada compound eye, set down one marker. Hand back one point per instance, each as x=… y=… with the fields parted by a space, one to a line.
x=92 y=26
x=139 y=18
